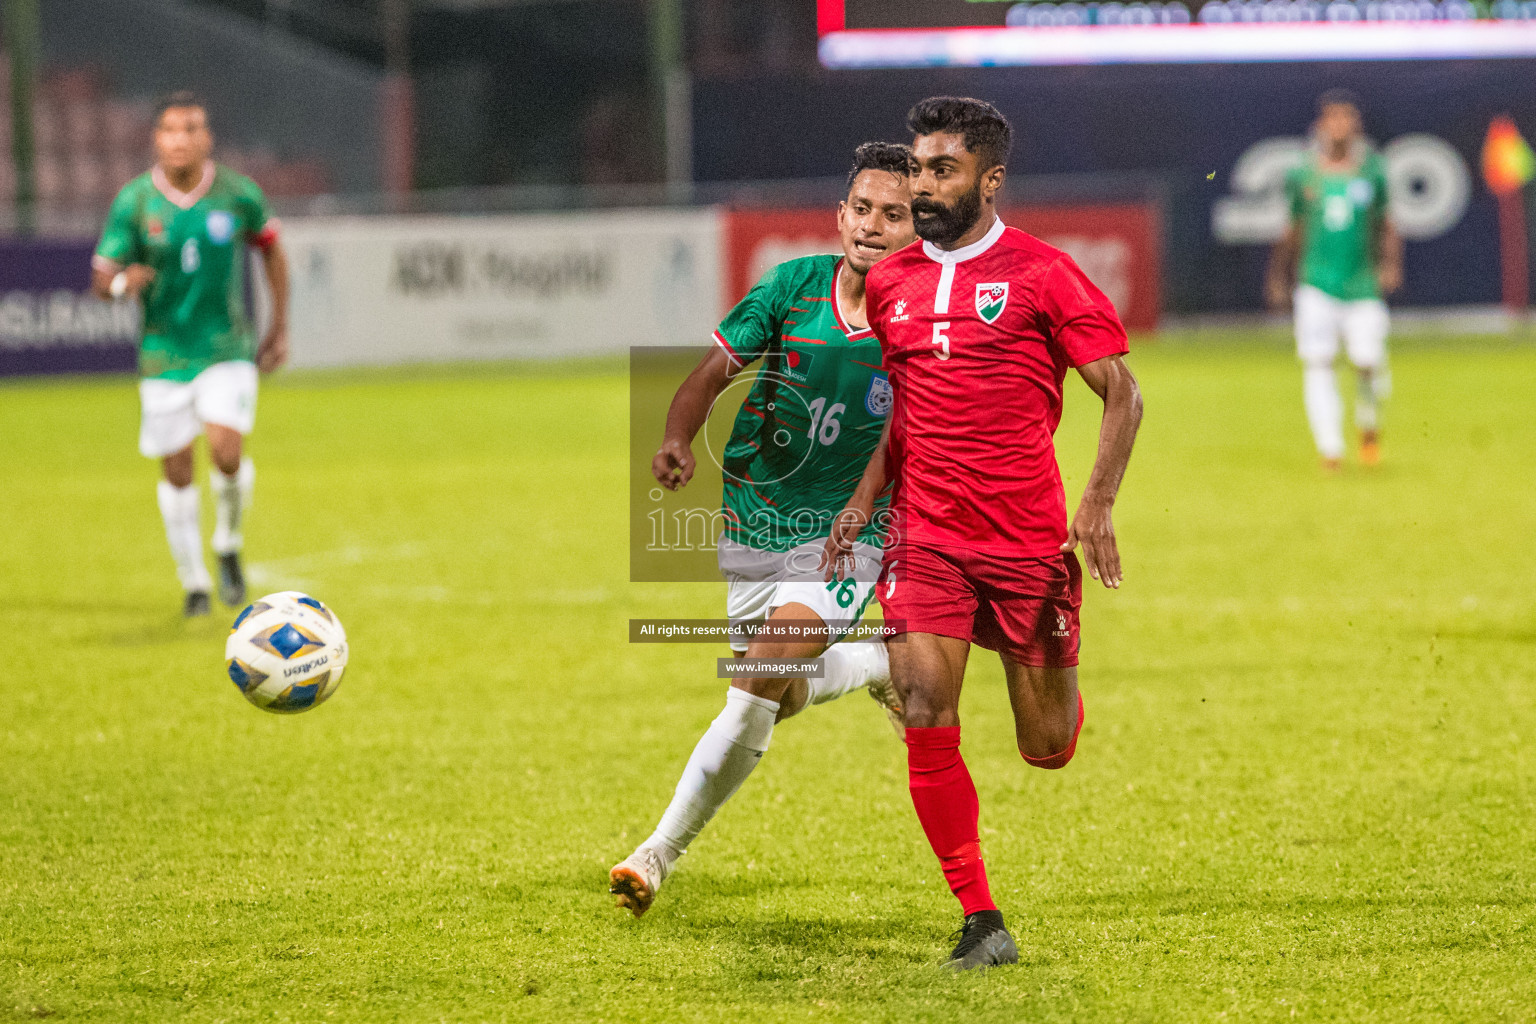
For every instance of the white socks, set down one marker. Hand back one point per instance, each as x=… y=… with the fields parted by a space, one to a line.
x=736 y=740
x=849 y=666
x=725 y=755
x=1373 y=388
x=232 y=496
x=183 y=528
x=178 y=507
x=1325 y=410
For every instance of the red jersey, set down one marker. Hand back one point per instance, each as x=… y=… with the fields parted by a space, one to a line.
x=978 y=342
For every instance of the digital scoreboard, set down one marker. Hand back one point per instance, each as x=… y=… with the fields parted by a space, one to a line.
x=983 y=33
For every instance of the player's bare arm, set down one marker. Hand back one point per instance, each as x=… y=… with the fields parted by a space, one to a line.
x=273 y=351
x=134 y=279
x=837 y=555
x=673 y=464
x=1093 y=526
x=1282 y=267
x=1389 y=256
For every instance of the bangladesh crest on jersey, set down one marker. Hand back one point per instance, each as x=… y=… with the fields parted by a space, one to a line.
x=991 y=300
x=879 y=397
x=221 y=226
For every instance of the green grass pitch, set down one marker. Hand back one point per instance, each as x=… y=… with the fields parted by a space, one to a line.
x=1305 y=789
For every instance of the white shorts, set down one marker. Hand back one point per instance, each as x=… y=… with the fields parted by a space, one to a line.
x=840 y=604
x=174 y=412
x=1321 y=318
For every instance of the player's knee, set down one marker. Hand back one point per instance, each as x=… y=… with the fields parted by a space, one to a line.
x=923 y=710
x=794 y=699
x=226 y=456
x=774 y=688
x=178 y=468
x=1053 y=745
x=1051 y=761
x=1048 y=747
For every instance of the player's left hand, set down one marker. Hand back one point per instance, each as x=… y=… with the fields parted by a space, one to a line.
x=1276 y=294
x=273 y=351
x=1389 y=277
x=1093 y=528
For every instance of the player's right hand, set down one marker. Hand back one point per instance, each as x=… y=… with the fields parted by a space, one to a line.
x=837 y=560
x=673 y=465
x=138 y=276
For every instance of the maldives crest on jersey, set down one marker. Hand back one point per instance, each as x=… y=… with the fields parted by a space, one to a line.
x=879 y=397
x=991 y=300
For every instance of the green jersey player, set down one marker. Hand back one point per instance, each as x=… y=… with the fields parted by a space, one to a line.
x=175 y=238
x=1344 y=255
x=797 y=450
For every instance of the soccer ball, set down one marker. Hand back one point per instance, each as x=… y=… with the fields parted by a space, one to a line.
x=286 y=652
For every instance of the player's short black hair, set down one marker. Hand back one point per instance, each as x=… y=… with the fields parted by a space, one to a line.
x=881 y=156
x=1337 y=98
x=985 y=130
x=179 y=98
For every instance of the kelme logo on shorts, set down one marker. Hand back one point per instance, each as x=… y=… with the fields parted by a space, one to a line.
x=991 y=299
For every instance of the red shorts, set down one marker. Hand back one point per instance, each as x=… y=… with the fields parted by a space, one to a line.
x=1024 y=607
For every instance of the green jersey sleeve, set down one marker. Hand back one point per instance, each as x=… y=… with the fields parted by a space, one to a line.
x=751 y=326
x=260 y=225
x=1296 y=192
x=120 y=236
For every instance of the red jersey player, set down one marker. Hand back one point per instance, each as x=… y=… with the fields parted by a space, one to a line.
x=979 y=323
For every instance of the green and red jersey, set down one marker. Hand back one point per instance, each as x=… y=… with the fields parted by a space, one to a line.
x=814 y=414
x=194 y=310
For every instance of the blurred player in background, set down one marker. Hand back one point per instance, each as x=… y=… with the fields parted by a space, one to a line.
x=176 y=239
x=979 y=324
x=1342 y=254
x=797 y=450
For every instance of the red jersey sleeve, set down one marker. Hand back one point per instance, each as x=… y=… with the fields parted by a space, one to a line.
x=1078 y=318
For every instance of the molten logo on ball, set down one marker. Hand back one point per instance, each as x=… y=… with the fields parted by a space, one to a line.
x=286 y=652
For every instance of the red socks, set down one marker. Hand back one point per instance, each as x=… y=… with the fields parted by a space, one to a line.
x=1060 y=758
x=945 y=799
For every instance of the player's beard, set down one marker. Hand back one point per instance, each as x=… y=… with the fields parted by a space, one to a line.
x=948 y=223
